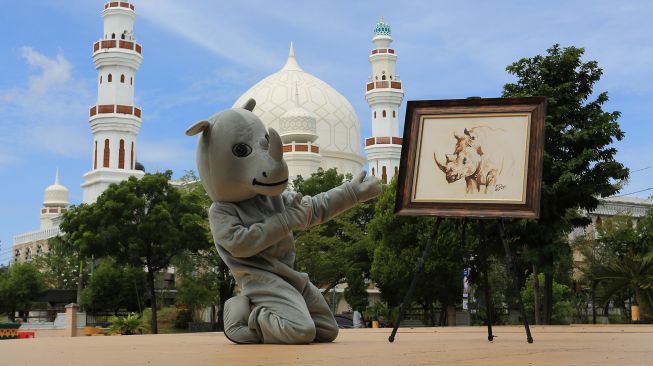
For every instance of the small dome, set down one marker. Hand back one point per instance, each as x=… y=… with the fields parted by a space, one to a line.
x=56 y=195
x=381 y=28
x=139 y=166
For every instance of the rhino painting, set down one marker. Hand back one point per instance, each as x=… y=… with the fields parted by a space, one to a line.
x=477 y=158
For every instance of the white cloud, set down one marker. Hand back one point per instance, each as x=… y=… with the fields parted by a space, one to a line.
x=47 y=112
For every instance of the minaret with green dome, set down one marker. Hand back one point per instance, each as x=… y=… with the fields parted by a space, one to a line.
x=384 y=94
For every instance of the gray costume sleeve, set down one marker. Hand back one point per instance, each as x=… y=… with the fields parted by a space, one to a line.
x=326 y=205
x=241 y=241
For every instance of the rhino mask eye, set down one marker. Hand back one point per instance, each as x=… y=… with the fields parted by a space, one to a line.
x=241 y=150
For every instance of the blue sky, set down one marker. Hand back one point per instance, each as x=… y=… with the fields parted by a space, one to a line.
x=200 y=56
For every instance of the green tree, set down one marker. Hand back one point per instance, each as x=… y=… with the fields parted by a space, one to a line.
x=19 y=287
x=113 y=287
x=579 y=158
x=356 y=291
x=60 y=265
x=399 y=242
x=330 y=251
x=563 y=309
x=139 y=222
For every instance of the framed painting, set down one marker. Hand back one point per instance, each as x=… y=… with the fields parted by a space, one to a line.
x=472 y=158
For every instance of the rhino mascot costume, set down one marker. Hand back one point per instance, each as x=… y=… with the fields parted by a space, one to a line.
x=252 y=217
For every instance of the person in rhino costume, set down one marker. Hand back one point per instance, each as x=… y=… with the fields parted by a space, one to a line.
x=252 y=217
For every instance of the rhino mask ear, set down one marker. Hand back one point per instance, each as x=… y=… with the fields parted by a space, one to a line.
x=197 y=128
x=250 y=104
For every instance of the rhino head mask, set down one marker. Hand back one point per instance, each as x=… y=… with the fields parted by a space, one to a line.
x=237 y=157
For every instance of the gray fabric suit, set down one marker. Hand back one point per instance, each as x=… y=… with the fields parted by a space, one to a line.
x=252 y=217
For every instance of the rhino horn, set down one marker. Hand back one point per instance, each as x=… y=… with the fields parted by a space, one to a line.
x=440 y=165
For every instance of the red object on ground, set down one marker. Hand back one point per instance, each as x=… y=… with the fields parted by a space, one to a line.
x=25 y=335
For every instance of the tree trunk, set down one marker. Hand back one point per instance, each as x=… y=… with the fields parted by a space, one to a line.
x=536 y=295
x=593 y=302
x=150 y=282
x=80 y=282
x=548 y=298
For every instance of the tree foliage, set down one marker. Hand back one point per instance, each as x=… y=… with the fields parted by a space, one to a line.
x=139 y=222
x=60 y=264
x=579 y=157
x=113 y=287
x=20 y=285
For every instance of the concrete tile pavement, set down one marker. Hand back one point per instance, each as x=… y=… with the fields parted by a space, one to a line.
x=554 y=345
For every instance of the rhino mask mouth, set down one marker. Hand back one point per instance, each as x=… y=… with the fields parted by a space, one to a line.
x=255 y=182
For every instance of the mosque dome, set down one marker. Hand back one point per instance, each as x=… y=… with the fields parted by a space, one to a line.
x=382 y=29
x=293 y=97
x=55 y=195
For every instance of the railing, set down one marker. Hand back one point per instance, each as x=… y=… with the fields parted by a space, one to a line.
x=117 y=43
x=36 y=235
x=384 y=85
x=119 y=4
x=102 y=319
x=288 y=148
x=114 y=108
x=383 y=50
x=386 y=140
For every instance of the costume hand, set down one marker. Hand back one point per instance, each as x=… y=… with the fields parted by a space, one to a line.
x=365 y=187
x=298 y=212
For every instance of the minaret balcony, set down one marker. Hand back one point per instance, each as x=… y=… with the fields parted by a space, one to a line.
x=383 y=50
x=387 y=84
x=299 y=147
x=384 y=140
x=120 y=44
x=119 y=4
x=115 y=108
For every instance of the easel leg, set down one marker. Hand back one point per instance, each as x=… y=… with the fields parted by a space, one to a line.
x=486 y=281
x=411 y=289
x=511 y=267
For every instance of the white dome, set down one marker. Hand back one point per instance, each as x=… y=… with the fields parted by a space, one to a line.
x=337 y=127
x=55 y=195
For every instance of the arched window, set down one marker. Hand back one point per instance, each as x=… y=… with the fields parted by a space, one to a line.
x=113 y=36
x=17 y=256
x=95 y=157
x=390 y=77
x=109 y=78
x=374 y=114
x=394 y=114
x=132 y=157
x=131 y=81
x=396 y=171
x=107 y=153
x=599 y=222
x=122 y=36
x=28 y=254
x=121 y=155
x=382 y=77
x=373 y=173
x=122 y=78
x=376 y=78
x=383 y=113
x=100 y=79
x=39 y=250
x=384 y=175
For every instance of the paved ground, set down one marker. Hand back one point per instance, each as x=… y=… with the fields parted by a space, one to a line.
x=554 y=345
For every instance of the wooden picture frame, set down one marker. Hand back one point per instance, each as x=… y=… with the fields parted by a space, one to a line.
x=472 y=158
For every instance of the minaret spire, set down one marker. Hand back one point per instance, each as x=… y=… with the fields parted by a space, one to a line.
x=56 y=176
x=291 y=63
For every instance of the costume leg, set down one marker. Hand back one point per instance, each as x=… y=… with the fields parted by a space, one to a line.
x=236 y=314
x=325 y=324
x=280 y=315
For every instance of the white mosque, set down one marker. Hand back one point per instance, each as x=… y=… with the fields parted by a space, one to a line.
x=317 y=124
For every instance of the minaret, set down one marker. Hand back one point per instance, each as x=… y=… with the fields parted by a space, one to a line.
x=55 y=201
x=115 y=120
x=384 y=94
x=298 y=131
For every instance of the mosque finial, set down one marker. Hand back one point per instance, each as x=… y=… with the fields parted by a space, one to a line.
x=291 y=53
x=291 y=63
x=56 y=176
x=381 y=20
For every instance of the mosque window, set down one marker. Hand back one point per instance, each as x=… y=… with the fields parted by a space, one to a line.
x=374 y=114
x=95 y=157
x=376 y=78
x=100 y=79
x=17 y=255
x=121 y=155
x=39 y=250
x=384 y=176
x=131 y=80
x=122 y=36
x=109 y=78
x=374 y=175
x=28 y=254
x=113 y=36
x=122 y=78
x=390 y=77
x=382 y=77
x=132 y=157
x=396 y=171
x=394 y=114
x=383 y=113
x=107 y=153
